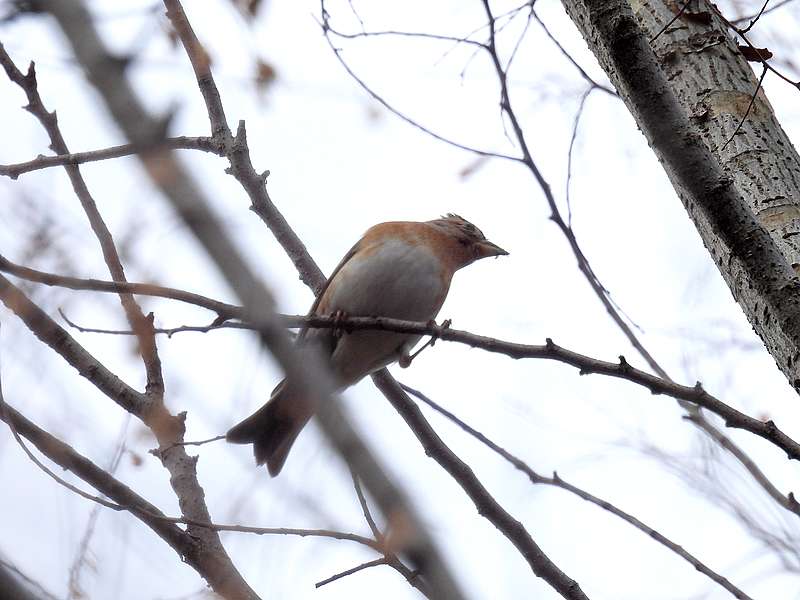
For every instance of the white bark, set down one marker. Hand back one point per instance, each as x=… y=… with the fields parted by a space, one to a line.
x=689 y=88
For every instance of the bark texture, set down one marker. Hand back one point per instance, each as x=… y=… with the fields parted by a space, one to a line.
x=689 y=88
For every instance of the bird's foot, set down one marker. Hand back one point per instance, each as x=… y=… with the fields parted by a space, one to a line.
x=436 y=330
x=338 y=329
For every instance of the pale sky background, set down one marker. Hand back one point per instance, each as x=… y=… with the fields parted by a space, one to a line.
x=340 y=163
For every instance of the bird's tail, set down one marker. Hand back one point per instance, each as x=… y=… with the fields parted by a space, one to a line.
x=273 y=428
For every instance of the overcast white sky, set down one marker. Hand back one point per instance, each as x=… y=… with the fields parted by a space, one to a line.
x=340 y=163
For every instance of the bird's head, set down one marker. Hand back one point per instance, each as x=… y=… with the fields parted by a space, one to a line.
x=473 y=245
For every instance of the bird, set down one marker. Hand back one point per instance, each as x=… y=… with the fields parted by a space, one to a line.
x=398 y=269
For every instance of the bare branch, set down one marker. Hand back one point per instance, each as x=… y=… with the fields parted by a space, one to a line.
x=139 y=323
x=80 y=560
x=160 y=451
x=224 y=310
x=238 y=154
x=742 y=33
x=127 y=500
x=189 y=548
x=206 y=144
x=59 y=340
x=573 y=138
x=557 y=481
x=749 y=107
x=160 y=330
x=695 y=395
x=389 y=557
x=190 y=202
x=696 y=173
x=570 y=58
x=166 y=427
x=694 y=415
x=326 y=29
x=486 y=505
x=365 y=509
x=753 y=17
x=757 y=16
x=361 y=567
x=410 y=34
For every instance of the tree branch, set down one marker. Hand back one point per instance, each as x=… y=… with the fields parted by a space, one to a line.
x=125 y=499
x=190 y=202
x=356 y=569
x=695 y=395
x=695 y=416
x=167 y=428
x=238 y=154
x=191 y=549
x=139 y=323
x=224 y=310
x=486 y=505
x=205 y=144
x=558 y=482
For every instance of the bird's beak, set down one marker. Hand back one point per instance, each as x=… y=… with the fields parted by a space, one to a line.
x=488 y=249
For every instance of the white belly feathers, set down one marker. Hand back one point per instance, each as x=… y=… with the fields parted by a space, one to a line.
x=396 y=280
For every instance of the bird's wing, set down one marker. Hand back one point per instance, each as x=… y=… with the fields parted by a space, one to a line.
x=313 y=310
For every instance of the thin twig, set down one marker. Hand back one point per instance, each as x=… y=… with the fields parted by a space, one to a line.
x=159 y=451
x=574 y=136
x=486 y=505
x=74 y=585
x=5 y=416
x=389 y=557
x=224 y=310
x=756 y=18
x=695 y=395
x=169 y=332
x=411 y=34
x=671 y=21
x=326 y=28
x=557 y=481
x=757 y=51
x=238 y=154
x=572 y=60
x=356 y=569
x=133 y=312
x=365 y=509
x=749 y=107
x=127 y=500
x=762 y=12
x=206 y=144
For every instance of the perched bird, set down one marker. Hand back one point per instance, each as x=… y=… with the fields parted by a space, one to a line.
x=400 y=270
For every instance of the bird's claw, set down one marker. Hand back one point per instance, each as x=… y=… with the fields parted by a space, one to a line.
x=338 y=328
x=436 y=330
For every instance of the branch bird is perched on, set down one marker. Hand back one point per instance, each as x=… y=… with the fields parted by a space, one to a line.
x=400 y=270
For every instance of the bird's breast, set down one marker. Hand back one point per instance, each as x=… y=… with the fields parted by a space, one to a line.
x=394 y=278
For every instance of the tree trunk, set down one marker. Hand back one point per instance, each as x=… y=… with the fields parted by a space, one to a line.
x=689 y=88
